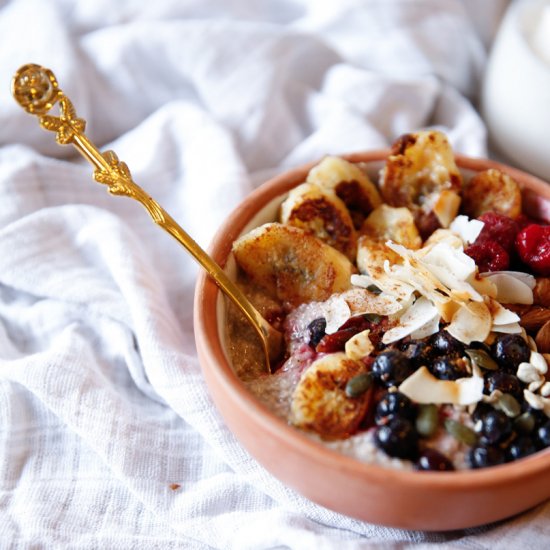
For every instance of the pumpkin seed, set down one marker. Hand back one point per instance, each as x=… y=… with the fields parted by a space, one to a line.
x=427 y=420
x=373 y=318
x=482 y=359
x=508 y=405
x=374 y=289
x=359 y=384
x=525 y=423
x=460 y=432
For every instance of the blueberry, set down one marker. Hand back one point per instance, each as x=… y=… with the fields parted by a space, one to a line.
x=509 y=350
x=519 y=448
x=543 y=435
x=432 y=460
x=445 y=344
x=419 y=352
x=397 y=438
x=316 y=331
x=449 y=368
x=391 y=367
x=481 y=410
x=495 y=427
x=394 y=404
x=482 y=456
x=505 y=382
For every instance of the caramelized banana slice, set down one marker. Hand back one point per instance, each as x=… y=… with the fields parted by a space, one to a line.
x=349 y=183
x=320 y=403
x=323 y=214
x=387 y=223
x=291 y=264
x=491 y=191
x=422 y=175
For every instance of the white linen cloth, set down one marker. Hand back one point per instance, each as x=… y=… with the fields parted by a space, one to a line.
x=108 y=437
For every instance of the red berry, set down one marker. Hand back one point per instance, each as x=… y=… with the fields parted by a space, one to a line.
x=498 y=228
x=533 y=246
x=331 y=343
x=488 y=256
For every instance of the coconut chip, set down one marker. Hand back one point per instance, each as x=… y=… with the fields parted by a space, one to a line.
x=362 y=301
x=471 y=322
x=421 y=316
x=336 y=312
x=359 y=346
x=468 y=230
x=423 y=387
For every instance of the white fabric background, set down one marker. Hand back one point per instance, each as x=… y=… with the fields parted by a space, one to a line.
x=102 y=402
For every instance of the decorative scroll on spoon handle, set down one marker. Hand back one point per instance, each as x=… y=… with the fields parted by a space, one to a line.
x=35 y=88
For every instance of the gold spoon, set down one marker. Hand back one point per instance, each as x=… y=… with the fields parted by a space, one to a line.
x=35 y=88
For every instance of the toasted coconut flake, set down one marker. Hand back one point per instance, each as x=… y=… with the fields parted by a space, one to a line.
x=471 y=322
x=363 y=301
x=441 y=236
x=510 y=289
x=424 y=388
x=415 y=318
x=336 y=312
x=453 y=268
x=545 y=389
x=359 y=346
x=428 y=329
x=468 y=230
x=362 y=281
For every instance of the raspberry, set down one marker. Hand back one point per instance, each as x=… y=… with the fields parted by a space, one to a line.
x=331 y=343
x=533 y=246
x=499 y=229
x=488 y=255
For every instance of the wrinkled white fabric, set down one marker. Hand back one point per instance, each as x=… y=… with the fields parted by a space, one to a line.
x=108 y=437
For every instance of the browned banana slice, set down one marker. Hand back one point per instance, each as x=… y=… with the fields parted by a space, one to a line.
x=349 y=183
x=491 y=191
x=291 y=264
x=323 y=214
x=320 y=403
x=422 y=175
x=387 y=223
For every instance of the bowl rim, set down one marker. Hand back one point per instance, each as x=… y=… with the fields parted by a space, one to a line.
x=206 y=324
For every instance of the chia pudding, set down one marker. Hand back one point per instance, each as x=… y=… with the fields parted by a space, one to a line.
x=415 y=312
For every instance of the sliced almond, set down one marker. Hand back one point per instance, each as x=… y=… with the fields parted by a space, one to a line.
x=510 y=289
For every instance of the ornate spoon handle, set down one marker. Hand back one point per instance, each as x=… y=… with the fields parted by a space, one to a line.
x=35 y=88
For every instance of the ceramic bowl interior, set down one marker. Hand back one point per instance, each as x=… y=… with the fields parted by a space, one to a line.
x=405 y=499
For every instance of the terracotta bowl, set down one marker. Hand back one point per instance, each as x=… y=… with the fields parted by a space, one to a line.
x=405 y=499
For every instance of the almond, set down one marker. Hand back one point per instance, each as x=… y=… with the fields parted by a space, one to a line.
x=534 y=317
x=541 y=292
x=543 y=338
